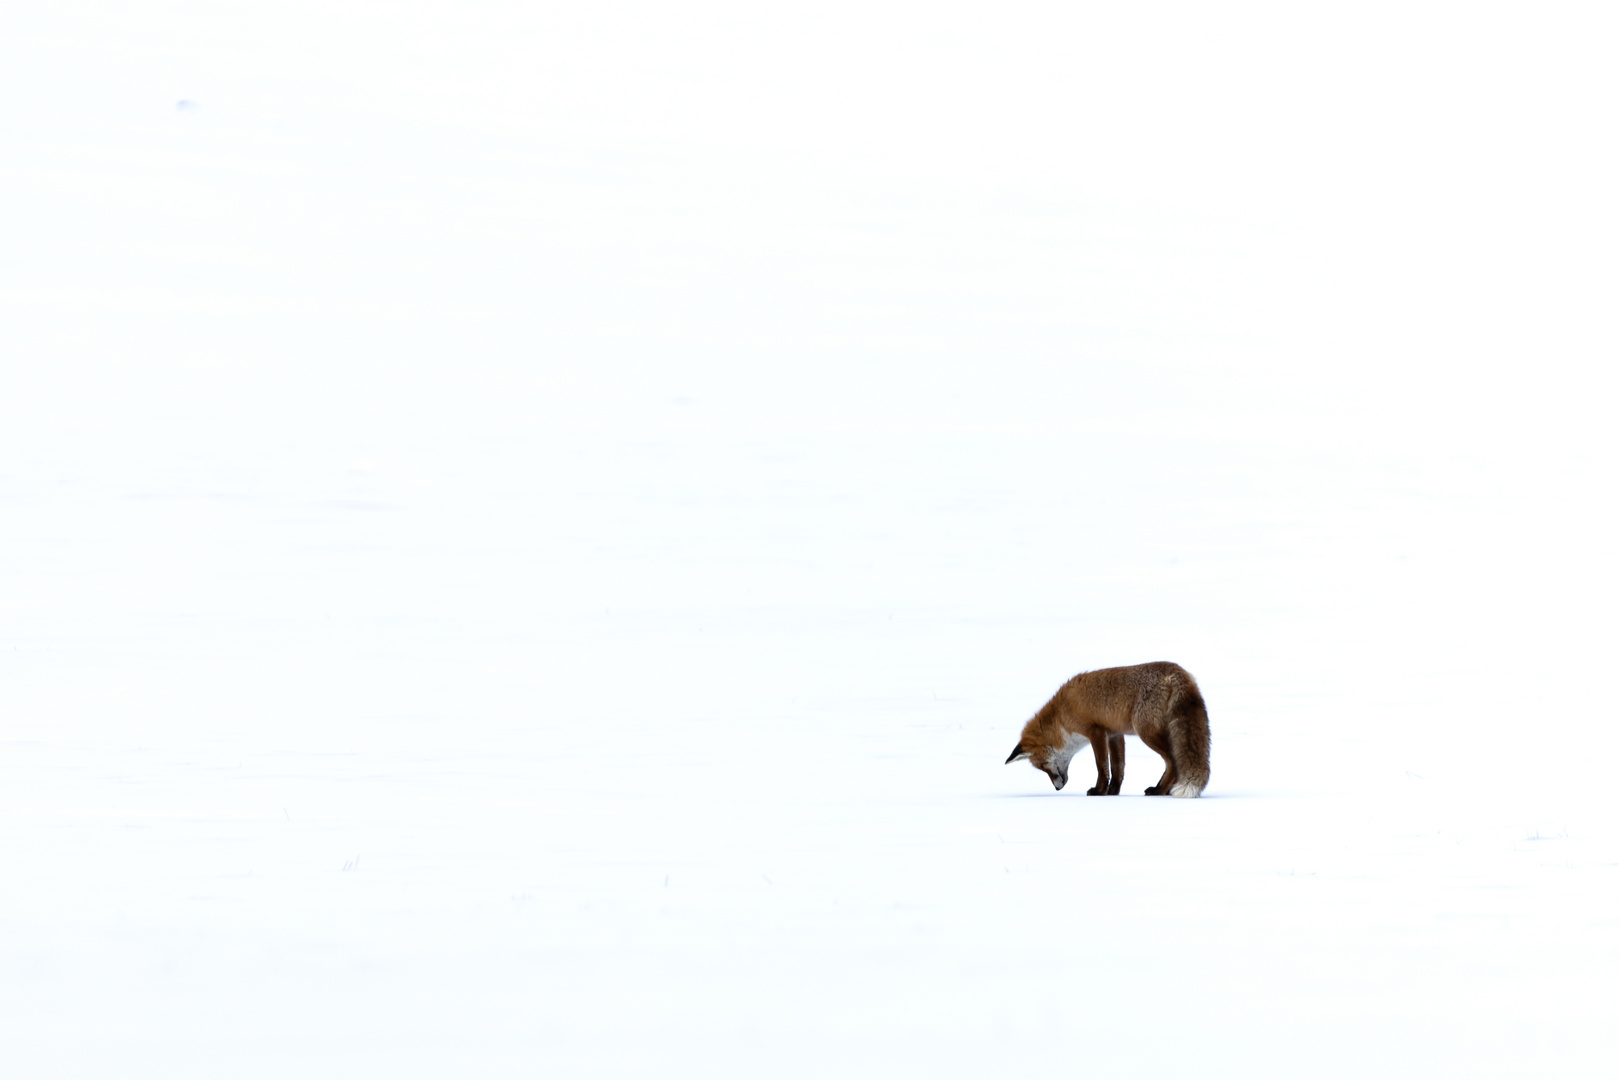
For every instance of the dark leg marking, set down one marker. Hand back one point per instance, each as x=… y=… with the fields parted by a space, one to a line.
x=1116 y=763
x=1099 y=747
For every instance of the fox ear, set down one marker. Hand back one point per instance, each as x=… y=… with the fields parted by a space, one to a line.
x=1018 y=752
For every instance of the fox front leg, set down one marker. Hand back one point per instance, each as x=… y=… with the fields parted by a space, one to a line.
x=1116 y=763
x=1099 y=746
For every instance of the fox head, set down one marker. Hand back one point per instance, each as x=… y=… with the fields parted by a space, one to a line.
x=1053 y=764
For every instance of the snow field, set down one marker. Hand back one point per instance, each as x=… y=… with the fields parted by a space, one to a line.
x=530 y=531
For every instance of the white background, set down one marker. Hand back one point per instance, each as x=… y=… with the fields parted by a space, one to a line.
x=527 y=532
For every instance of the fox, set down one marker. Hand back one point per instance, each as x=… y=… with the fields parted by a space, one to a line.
x=1159 y=703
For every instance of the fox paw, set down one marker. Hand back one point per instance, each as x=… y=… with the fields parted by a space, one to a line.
x=1154 y=790
x=1096 y=791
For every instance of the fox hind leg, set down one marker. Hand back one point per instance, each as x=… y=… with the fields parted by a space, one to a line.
x=1116 y=763
x=1160 y=744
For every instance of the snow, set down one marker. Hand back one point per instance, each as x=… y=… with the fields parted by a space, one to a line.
x=529 y=532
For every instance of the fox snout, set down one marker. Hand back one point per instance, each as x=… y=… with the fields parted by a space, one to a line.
x=1058 y=779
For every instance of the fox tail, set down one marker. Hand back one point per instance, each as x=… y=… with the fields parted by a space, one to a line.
x=1188 y=725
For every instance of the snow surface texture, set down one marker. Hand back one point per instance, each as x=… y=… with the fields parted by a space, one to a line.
x=528 y=534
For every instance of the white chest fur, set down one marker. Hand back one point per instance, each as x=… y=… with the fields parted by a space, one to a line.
x=1071 y=746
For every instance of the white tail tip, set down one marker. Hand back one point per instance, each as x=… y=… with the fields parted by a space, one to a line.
x=1186 y=790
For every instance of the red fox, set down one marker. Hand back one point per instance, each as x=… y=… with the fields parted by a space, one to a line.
x=1158 y=702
